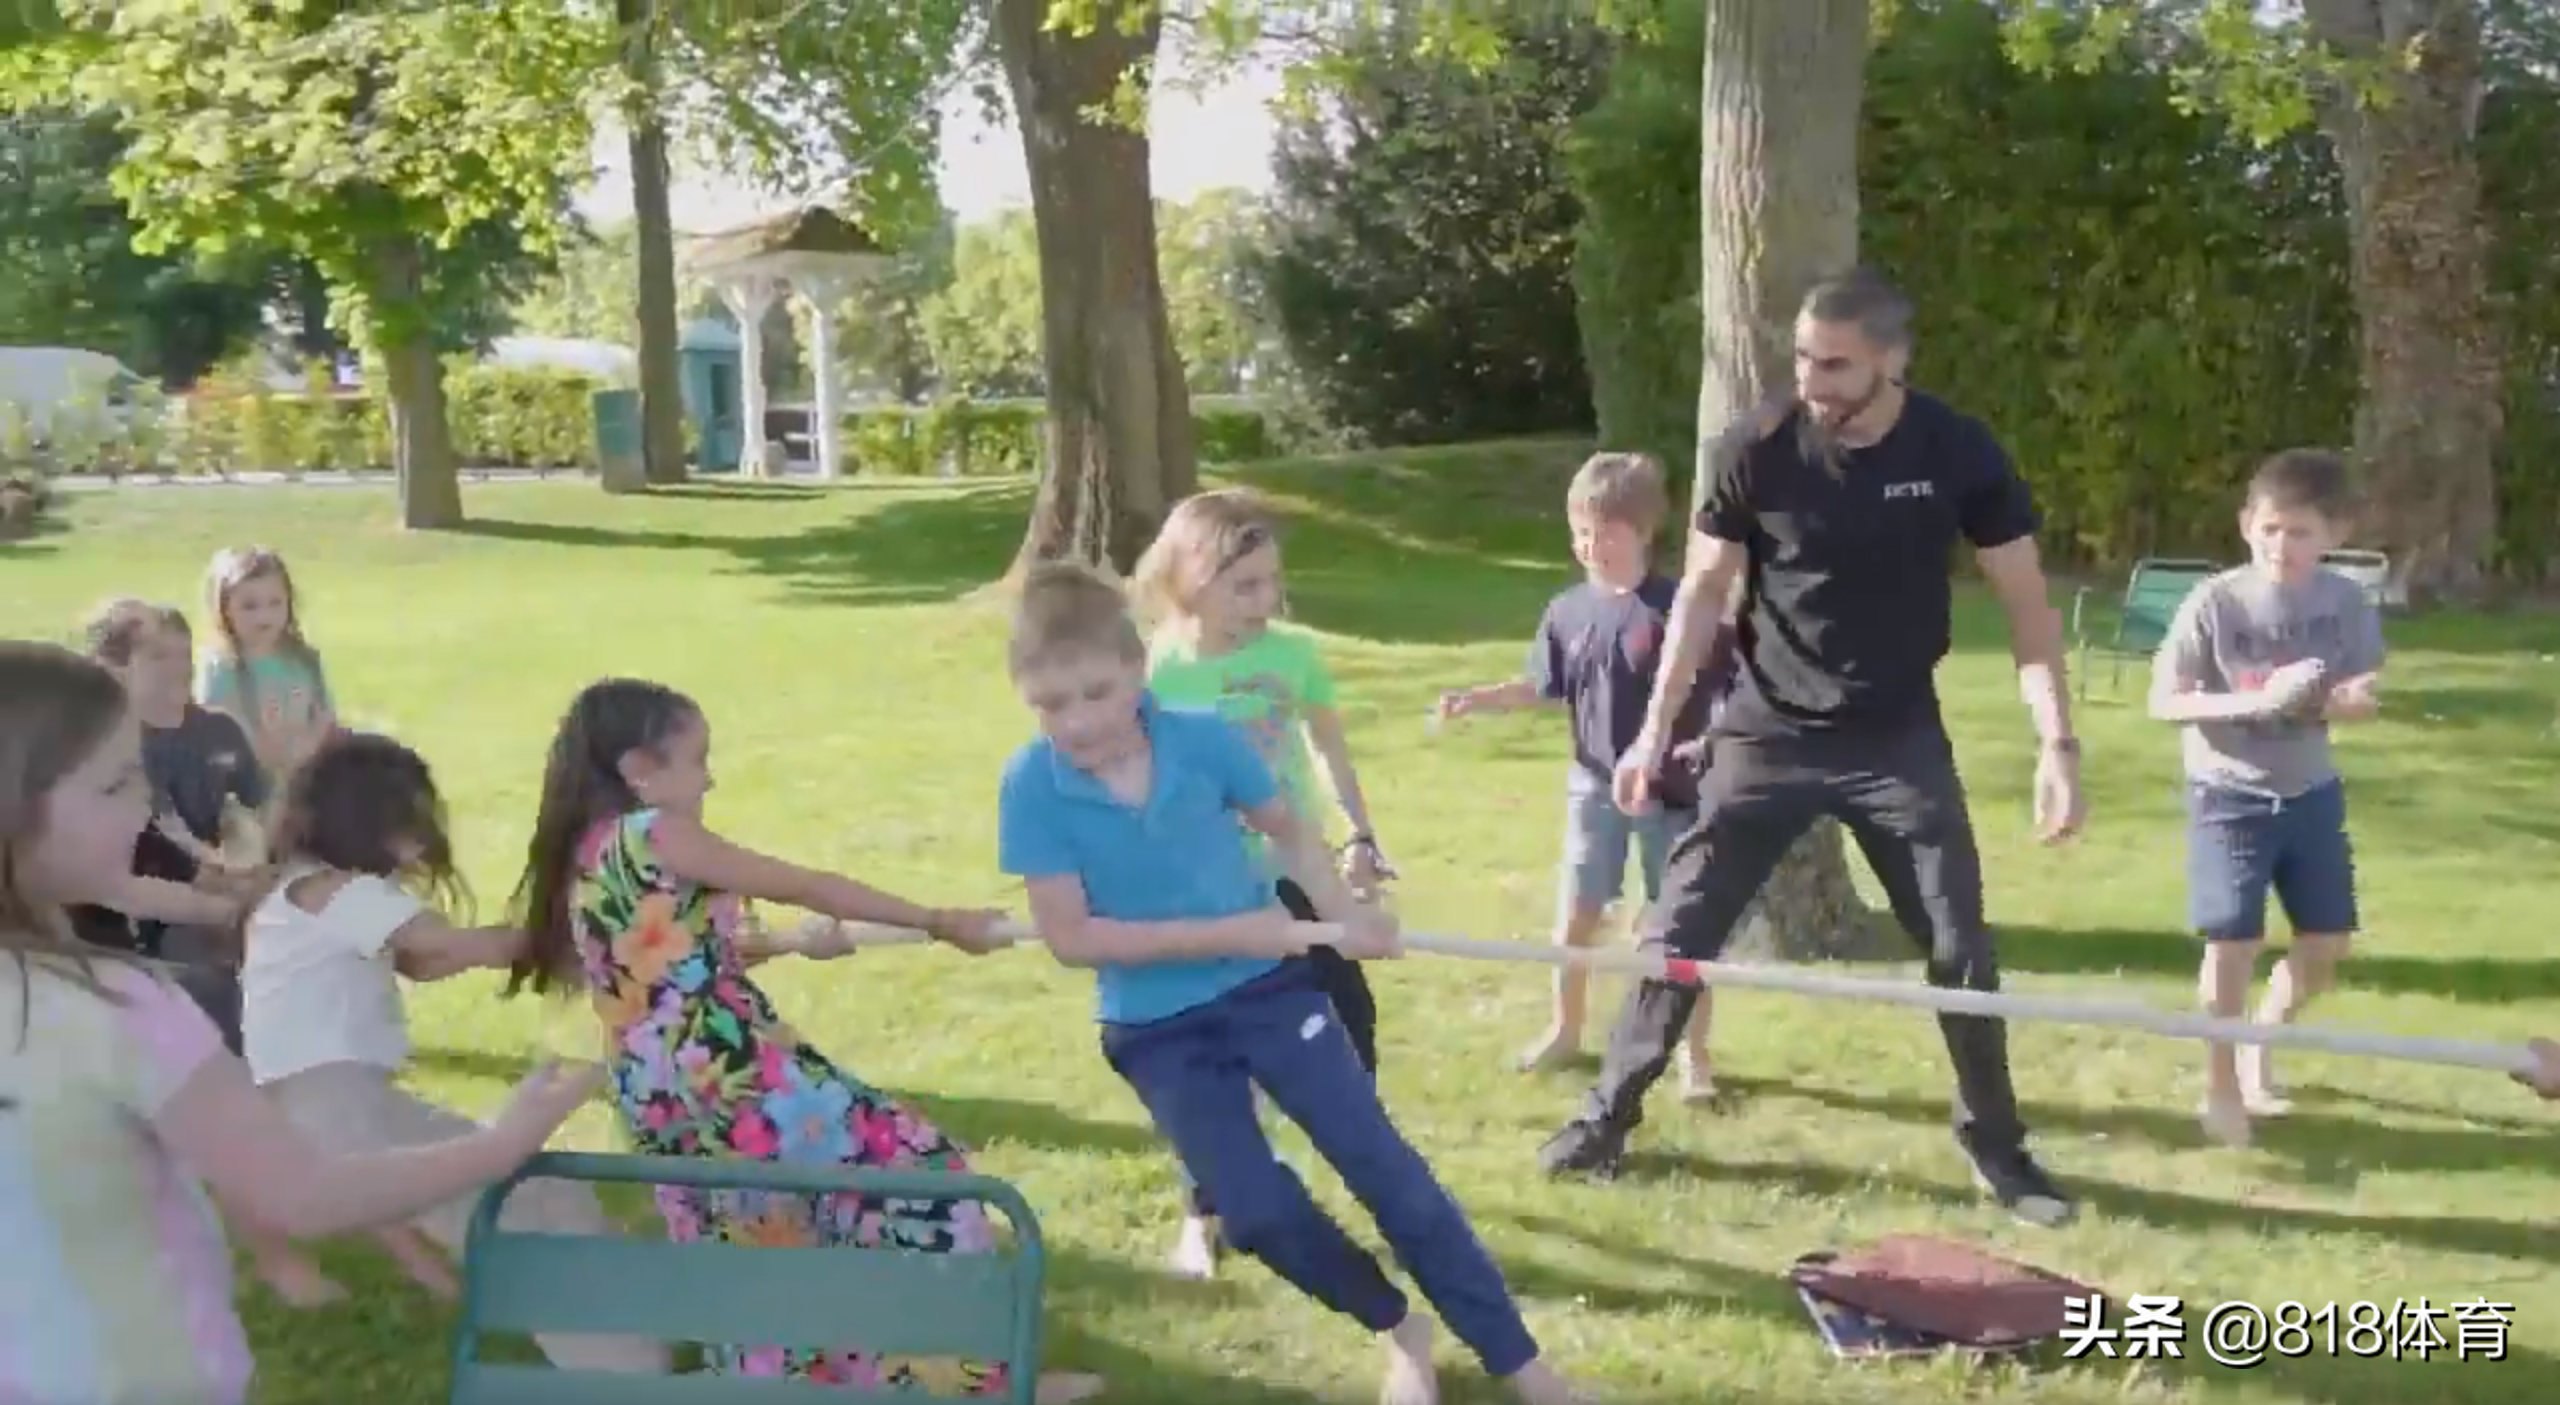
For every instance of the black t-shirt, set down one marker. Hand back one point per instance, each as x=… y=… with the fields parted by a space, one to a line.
x=1597 y=652
x=193 y=768
x=1847 y=589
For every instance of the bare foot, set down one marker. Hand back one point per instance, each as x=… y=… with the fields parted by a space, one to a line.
x=1410 y=1378
x=1697 y=1078
x=1065 y=1387
x=437 y=1278
x=1195 y=1253
x=1538 y=1384
x=1555 y=1047
x=299 y=1281
x=2225 y=1118
x=2259 y=1090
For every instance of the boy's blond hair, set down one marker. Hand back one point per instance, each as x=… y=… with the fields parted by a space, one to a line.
x=1204 y=535
x=1622 y=488
x=114 y=631
x=1070 y=610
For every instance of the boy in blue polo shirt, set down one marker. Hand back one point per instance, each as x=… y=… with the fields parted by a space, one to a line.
x=1126 y=822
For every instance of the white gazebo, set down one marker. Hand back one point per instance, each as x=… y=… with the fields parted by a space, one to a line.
x=823 y=257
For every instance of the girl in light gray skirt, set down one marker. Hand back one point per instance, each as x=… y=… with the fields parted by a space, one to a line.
x=365 y=871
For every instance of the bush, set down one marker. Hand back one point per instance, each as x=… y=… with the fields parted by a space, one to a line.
x=963 y=438
x=500 y=418
x=1419 y=254
x=23 y=500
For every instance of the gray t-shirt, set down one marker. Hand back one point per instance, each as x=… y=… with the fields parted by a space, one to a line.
x=2235 y=630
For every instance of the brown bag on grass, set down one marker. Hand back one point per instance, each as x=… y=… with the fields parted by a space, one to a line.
x=1957 y=1292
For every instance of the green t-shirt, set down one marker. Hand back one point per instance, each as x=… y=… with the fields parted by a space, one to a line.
x=1266 y=688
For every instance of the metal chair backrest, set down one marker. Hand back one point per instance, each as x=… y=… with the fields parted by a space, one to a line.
x=2152 y=595
x=984 y=1306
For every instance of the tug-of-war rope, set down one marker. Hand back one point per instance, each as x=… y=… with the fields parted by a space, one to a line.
x=2121 y=1014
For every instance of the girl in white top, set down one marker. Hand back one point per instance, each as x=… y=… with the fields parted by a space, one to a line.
x=116 y=1094
x=361 y=847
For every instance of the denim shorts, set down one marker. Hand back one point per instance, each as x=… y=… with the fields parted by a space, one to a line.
x=2241 y=844
x=1597 y=836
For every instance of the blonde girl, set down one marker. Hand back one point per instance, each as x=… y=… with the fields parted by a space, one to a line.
x=116 y=1094
x=260 y=669
x=1210 y=586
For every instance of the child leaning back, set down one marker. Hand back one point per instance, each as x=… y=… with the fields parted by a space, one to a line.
x=1125 y=819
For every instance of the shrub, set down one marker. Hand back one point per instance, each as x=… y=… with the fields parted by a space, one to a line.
x=963 y=438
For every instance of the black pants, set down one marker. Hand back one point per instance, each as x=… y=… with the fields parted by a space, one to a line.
x=1899 y=795
x=1345 y=984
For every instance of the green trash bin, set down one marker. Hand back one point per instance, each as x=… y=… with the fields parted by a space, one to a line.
x=619 y=459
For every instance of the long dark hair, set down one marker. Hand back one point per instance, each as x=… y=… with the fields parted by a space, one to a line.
x=359 y=804
x=581 y=784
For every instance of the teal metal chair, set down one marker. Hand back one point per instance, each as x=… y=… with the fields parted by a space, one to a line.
x=897 y=1301
x=2153 y=591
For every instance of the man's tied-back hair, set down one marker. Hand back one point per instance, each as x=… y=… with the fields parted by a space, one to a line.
x=1070 y=610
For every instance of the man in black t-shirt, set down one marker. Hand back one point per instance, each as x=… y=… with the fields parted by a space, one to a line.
x=1839 y=512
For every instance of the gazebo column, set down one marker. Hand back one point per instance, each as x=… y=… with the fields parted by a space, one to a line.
x=750 y=296
x=826 y=289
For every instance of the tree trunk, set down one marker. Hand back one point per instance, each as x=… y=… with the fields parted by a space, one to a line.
x=1120 y=447
x=653 y=223
x=2430 y=406
x=1777 y=210
x=422 y=455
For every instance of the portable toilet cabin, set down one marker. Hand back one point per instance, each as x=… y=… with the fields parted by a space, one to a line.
x=708 y=362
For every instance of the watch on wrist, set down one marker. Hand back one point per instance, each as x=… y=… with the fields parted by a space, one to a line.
x=2063 y=746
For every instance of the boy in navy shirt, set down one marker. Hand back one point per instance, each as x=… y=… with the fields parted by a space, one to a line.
x=1596 y=653
x=1125 y=820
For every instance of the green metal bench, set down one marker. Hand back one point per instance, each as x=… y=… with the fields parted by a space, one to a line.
x=2153 y=592
x=984 y=1306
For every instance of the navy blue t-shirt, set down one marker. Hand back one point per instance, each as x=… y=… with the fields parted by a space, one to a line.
x=1596 y=653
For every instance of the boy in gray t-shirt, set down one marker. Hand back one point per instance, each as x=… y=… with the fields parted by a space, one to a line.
x=2259 y=661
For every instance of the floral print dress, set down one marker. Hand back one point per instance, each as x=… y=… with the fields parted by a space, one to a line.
x=702 y=1066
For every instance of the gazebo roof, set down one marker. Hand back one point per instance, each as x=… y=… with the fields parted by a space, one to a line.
x=811 y=236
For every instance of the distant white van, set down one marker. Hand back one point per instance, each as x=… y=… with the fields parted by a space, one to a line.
x=40 y=382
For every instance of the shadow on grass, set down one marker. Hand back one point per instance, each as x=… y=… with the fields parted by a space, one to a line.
x=2323 y=1148
x=717 y=490
x=575 y=534
x=2115 y=951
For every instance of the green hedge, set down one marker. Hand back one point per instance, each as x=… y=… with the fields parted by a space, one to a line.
x=499 y=417
x=981 y=439
x=2141 y=300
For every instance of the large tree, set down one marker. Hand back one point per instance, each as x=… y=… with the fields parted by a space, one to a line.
x=368 y=137
x=73 y=276
x=2396 y=88
x=1120 y=449
x=1778 y=210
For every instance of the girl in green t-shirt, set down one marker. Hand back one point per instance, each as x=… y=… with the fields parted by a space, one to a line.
x=1211 y=586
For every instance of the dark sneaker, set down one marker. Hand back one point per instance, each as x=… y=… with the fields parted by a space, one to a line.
x=1584 y=1148
x=2023 y=1189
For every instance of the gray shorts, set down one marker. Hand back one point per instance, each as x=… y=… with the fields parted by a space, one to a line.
x=1597 y=839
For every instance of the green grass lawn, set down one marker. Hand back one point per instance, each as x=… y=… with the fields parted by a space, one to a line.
x=861 y=715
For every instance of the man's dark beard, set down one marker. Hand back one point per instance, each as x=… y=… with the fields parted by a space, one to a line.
x=1819 y=442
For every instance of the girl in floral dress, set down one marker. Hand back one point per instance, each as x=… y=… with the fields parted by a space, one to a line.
x=626 y=896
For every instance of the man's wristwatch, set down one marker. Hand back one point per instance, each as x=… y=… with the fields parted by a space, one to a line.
x=1377 y=856
x=2063 y=746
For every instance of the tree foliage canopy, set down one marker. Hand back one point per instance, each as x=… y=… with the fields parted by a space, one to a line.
x=1419 y=261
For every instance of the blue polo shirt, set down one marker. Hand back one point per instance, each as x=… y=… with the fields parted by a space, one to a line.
x=1182 y=856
